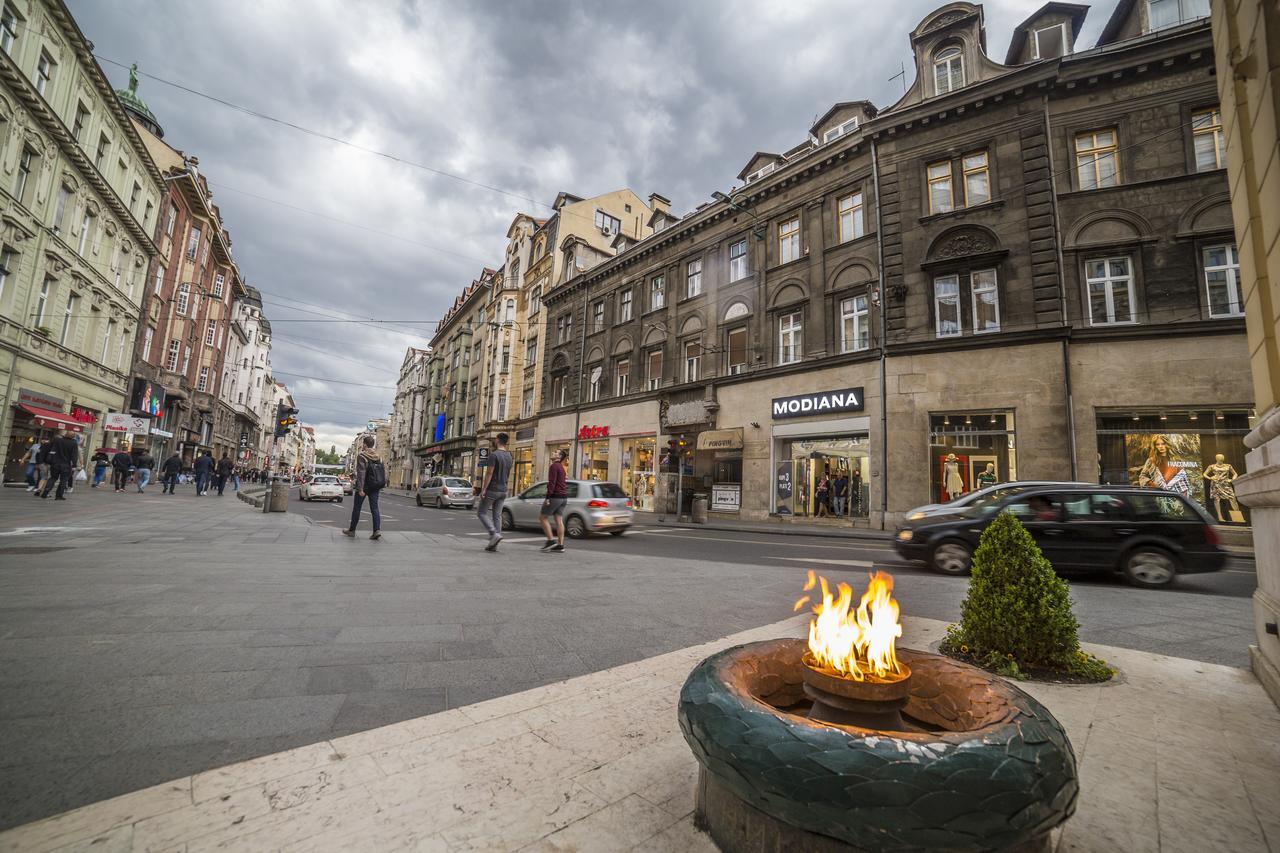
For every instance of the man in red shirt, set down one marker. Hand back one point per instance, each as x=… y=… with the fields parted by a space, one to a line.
x=553 y=506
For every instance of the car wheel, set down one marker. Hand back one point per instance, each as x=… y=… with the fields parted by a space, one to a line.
x=339 y=500
x=438 y=504
x=1151 y=568
x=418 y=499
x=953 y=557
x=508 y=522
x=616 y=532
x=575 y=527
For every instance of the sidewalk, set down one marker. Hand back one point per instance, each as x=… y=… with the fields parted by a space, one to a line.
x=1174 y=756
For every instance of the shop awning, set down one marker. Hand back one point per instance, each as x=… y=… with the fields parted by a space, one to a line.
x=720 y=439
x=52 y=419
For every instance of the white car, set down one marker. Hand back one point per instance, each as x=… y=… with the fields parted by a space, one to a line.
x=321 y=488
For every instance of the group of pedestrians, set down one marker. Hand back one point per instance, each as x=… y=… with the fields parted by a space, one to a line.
x=54 y=465
x=493 y=493
x=837 y=496
x=51 y=465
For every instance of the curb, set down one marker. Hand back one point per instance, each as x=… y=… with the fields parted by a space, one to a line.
x=780 y=530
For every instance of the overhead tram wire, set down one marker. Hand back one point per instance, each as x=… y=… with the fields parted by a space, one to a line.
x=276 y=372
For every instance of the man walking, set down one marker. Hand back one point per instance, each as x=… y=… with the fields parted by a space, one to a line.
x=225 y=469
x=169 y=470
x=144 y=463
x=121 y=464
x=840 y=489
x=371 y=477
x=33 y=466
x=64 y=454
x=493 y=491
x=553 y=505
x=204 y=471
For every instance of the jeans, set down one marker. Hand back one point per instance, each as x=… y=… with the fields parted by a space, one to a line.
x=144 y=477
x=202 y=482
x=373 y=510
x=170 y=483
x=33 y=473
x=839 y=499
x=490 y=513
x=99 y=474
x=119 y=477
x=61 y=474
x=235 y=482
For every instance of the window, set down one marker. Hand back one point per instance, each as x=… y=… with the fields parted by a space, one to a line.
x=193 y=242
x=607 y=224
x=60 y=209
x=184 y=297
x=8 y=29
x=657 y=292
x=219 y=282
x=558 y=391
x=761 y=172
x=941 y=195
x=597 y=315
x=535 y=301
x=172 y=218
x=67 y=318
x=654 y=375
x=41 y=302
x=6 y=268
x=86 y=232
x=526 y=404
x=159 y=279
x=1209 y=141
x=693 y=278
x=840 y=130
x=946 y=306
x=624 y=306
x=204 y=260
x=1222 y=278
x=134 y=194
x=1110 y=291
x=849 y=210
x=855 y=325
x=1170 y=13
x=948 y=70
x=595 y=384
x=738 y=260
x=789 y=240
x=1049 y=42
x=146 y=213
x=186 y=359
x=977 y=180
x=203 y=383
x=530 y=352
x=1097 y=159
x=737 y=351
x=100 y=156
x=506 y=358
x=986 y=301
x=26 y=165
x=147 y=337
x=621 y=377
x=564 y=328
x=211 y=332
x=790 y=329
x=171 y=359
x=692 y=361
x=44 y=73
x=124 y=345
x=82 y=119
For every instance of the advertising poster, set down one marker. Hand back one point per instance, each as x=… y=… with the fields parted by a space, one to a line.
x=1170 y=462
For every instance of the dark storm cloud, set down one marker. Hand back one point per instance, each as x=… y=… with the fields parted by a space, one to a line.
x=669 y=96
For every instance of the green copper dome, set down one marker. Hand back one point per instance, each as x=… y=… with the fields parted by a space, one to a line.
x=130 y=101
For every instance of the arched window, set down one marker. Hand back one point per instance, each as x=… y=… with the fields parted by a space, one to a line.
x=510 y=315
x=948 y=70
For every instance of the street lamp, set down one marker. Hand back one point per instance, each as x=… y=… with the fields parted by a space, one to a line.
x=759 y=230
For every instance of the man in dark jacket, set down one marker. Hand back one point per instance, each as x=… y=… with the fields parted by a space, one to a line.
x=170 y=470
x=121 y=465
x=225 y=469
x=100 y=463
x=204 y=472
x=371 y=477
x=64 y=454
x=144 y=462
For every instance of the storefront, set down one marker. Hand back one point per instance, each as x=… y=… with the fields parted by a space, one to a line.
x=1196 y=452
x=971 y=450
x=593 y=453
x=719 y=456
x=816 y=458
x=521 y=468
x=35 y=418
x=639 y=470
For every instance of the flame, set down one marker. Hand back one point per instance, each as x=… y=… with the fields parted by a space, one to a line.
x=859 y=643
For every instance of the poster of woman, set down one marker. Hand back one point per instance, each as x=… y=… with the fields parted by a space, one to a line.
x=1170 y=462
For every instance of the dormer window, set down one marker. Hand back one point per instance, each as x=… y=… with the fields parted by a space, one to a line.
x=1171 y=13
x=840 y=130
x=948 y=70
x=760 y=173
x=1049 y=42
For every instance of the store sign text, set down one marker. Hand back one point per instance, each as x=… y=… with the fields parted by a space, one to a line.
x=848 y=400
x=593 y=432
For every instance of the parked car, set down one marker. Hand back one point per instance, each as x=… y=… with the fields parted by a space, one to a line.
x=1147 y=535
x=348 y=485
x=998 y=490
x=321 y=488
x=593 y=506
x=445 y=492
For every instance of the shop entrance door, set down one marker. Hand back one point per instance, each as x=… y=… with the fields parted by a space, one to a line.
x=806 y=461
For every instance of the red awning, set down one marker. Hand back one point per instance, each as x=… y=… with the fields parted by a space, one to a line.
x=52 y=419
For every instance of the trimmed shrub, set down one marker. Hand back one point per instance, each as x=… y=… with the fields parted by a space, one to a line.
x=1017 y=615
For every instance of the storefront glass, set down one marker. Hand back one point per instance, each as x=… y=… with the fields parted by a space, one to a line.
x=1197 y=453
x=594 y=460
x=522 y=468
x=803 y=463
x=970 y=450
x=639 y=465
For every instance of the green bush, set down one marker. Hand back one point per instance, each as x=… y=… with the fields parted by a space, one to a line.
x=1017 y=616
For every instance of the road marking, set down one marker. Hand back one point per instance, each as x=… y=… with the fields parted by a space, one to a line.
x=865 y=564
x=859 y=546
x=25 y=531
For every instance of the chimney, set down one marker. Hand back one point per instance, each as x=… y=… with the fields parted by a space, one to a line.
x=659 y=203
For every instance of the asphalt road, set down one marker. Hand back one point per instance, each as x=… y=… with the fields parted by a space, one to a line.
x=399 y=512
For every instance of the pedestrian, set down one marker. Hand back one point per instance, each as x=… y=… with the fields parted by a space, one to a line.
x=64 y=454
x=100 y=462
x=33 y=466
x=204 y=466
x=493 y=490
x=840 y=488
x=121 y=465
x=821 y=491
x=371 y=477
x=553 y=504
x=144 y=463
x=235 y=478
x=225 y=468
x=170 y=469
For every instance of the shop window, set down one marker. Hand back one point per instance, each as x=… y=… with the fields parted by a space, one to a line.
x=1222 y=281
x=790 y=337
x=970 y=450
x=822 y=476
x=789 y=240
x=654 y=372
x=737 y=351
x=639 y=471
x=946 y=306
x=1110 y=283
x=1194 y=452
x=1097 y=159
x=1209 y=141
x=738 y=260
x=849 y=211
x=855 y=325
x=692 y=361
x=594 y=463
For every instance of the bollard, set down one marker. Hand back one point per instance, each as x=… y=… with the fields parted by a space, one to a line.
x=699 y=509
x=279 y=497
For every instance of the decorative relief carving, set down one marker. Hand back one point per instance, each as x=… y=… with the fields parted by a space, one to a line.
x=942 y=20
x=962 y=245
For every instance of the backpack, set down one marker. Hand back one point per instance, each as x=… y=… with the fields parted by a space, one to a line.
x=375 y=475
x=42 y=455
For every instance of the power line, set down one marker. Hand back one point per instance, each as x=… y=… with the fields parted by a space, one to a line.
x=327 y=379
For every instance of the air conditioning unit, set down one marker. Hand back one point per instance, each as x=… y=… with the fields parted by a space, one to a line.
x=607 y=230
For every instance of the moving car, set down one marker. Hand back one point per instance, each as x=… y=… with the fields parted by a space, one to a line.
x=348 y=485
x=321 y=488
x=998 y=490
x=1149 y=536
x=444 y=492
x=594 y=506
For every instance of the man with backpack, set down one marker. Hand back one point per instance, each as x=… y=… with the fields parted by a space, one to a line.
x=371 y=477
x=63 y=454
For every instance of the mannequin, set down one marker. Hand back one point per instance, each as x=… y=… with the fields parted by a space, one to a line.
x=952 y=482
x=1221 y=476
x=988 y=476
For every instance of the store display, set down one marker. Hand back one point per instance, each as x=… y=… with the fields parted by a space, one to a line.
x=988 y=476
x=1221 y=477
x=1170 y=462
x=952 y=481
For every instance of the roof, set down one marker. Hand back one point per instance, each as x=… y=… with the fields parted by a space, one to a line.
x=132 y=103
x=867 y=107
x=746 y=170
x=1075 y=11
x=1118 y=16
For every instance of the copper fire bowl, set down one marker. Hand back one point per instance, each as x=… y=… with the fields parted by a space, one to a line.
x=870 y=689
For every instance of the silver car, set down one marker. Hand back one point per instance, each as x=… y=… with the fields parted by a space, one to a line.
x=995 y=492
x=445 y=492
x=593 y=506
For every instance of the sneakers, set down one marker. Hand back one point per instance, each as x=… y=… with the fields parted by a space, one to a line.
x=493 y=543
x=376 y=535
x=557 y=548
x=546 y=546
x=350 y=533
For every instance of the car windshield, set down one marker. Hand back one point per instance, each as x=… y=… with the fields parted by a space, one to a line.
x=984 y=504
x=325 y=481
x=457 y=483
x=608 y=490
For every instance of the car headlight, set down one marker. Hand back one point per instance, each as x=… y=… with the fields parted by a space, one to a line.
x=915 y=516
x=905 y=535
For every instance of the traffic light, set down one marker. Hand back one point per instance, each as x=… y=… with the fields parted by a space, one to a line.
x=284 y=419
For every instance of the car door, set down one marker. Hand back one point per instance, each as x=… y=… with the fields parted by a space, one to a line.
x=1101 y=523
x=1043 y=515
x=526 y=505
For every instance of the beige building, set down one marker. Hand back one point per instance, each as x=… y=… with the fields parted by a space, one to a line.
x=79 y=197
x=1246 y=36
x=403 y=465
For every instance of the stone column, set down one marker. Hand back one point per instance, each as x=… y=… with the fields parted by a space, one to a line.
x=1246 y=35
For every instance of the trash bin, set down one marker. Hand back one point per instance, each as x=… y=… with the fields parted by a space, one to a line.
x=699 y=509
x=279 y=497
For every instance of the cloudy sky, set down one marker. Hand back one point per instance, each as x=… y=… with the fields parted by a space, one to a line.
x=530 y=98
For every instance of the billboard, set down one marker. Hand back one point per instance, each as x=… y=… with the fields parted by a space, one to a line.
x=147 y=398
x=1167 y=461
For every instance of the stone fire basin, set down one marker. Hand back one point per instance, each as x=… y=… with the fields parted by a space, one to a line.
x=986 y=768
